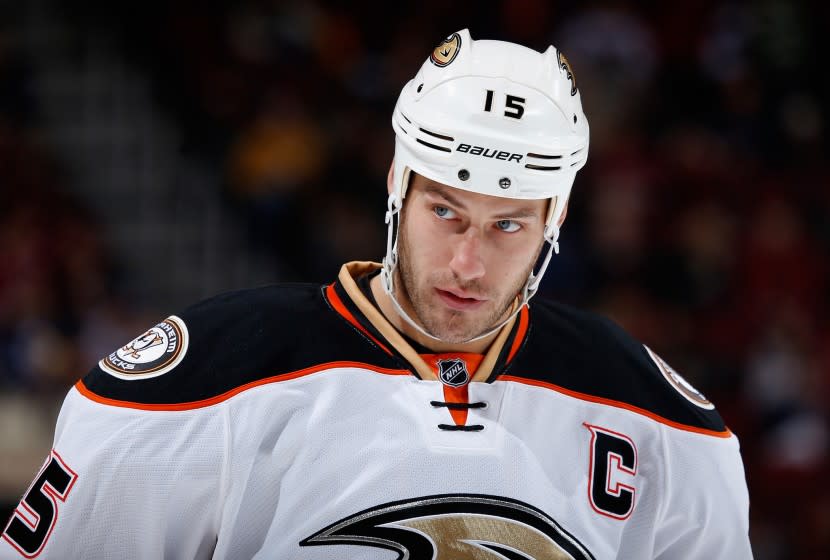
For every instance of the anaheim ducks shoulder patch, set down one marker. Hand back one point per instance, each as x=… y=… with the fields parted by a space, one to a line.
x=680 y=385
x=153 y=353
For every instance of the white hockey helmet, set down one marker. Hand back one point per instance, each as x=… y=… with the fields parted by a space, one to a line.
x=494 y=118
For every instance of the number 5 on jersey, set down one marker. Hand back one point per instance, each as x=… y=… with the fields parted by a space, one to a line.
x=35 y=517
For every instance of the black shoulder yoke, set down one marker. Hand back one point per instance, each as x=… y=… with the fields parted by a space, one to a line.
x=242 y=337
x=585 y=353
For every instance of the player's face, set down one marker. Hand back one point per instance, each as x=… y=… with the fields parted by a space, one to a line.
x=465 y=256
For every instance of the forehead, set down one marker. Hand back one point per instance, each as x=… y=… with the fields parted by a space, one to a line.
x=420 y=185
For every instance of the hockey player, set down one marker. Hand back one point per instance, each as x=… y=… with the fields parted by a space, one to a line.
x=418 y=409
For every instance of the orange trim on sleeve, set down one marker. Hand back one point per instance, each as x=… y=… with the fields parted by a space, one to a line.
x=617 y=404
x=338 y=306
x=84 y=390
x=524 y=316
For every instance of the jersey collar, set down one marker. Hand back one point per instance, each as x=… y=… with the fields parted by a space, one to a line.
x=347 y=299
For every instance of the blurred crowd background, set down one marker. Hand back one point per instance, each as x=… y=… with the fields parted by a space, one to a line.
x=154 y=153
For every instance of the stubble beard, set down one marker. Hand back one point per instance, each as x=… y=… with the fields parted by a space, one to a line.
x=448 y=325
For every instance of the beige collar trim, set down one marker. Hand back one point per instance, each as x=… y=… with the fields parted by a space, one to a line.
x=354 y=269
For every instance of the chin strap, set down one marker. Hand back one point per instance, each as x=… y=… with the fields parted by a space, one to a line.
x=390 y=261
x=533 y=281
x=390 y=264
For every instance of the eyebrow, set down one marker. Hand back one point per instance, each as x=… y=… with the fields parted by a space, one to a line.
x=520 y=212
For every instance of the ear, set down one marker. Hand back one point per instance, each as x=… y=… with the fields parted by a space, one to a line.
x=390 y=178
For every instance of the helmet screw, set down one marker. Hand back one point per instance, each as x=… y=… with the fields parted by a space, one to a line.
x=504 y=183
x=463 y=174
x=420 y=87
x=574 y=119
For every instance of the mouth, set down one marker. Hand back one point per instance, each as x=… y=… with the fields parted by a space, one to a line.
x=459 y=302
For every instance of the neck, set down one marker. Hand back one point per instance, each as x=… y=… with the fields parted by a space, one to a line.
x=388 y=309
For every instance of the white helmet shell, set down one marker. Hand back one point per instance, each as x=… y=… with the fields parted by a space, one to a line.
x=494 y=118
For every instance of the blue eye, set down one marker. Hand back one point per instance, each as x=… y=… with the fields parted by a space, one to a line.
x=508 y=226
x=443 y=212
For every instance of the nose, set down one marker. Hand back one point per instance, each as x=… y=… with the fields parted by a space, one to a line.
x=466 y=260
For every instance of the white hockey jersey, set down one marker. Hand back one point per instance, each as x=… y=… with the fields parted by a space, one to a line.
x=294 y=423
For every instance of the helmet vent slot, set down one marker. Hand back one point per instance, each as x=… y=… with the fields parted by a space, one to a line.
x=545 y=164
x=580 y=157
x=543 y=156
x=541 y=167
x=441 y=136
x=401 y=127
x=433 y=146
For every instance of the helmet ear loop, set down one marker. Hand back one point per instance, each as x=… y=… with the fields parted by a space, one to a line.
x=532 y=285
x=390 y=261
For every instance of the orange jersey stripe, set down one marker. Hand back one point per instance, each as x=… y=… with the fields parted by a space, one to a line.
x=338 y=306
x=84 y=390
x=524 y=316
x=617 y=404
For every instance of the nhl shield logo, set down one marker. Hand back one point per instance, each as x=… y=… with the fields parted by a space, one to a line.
x=453 y=372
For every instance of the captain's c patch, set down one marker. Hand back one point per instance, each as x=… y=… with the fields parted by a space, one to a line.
x=151 y=354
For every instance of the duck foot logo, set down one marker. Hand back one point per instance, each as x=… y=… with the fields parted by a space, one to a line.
x=456 y=527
